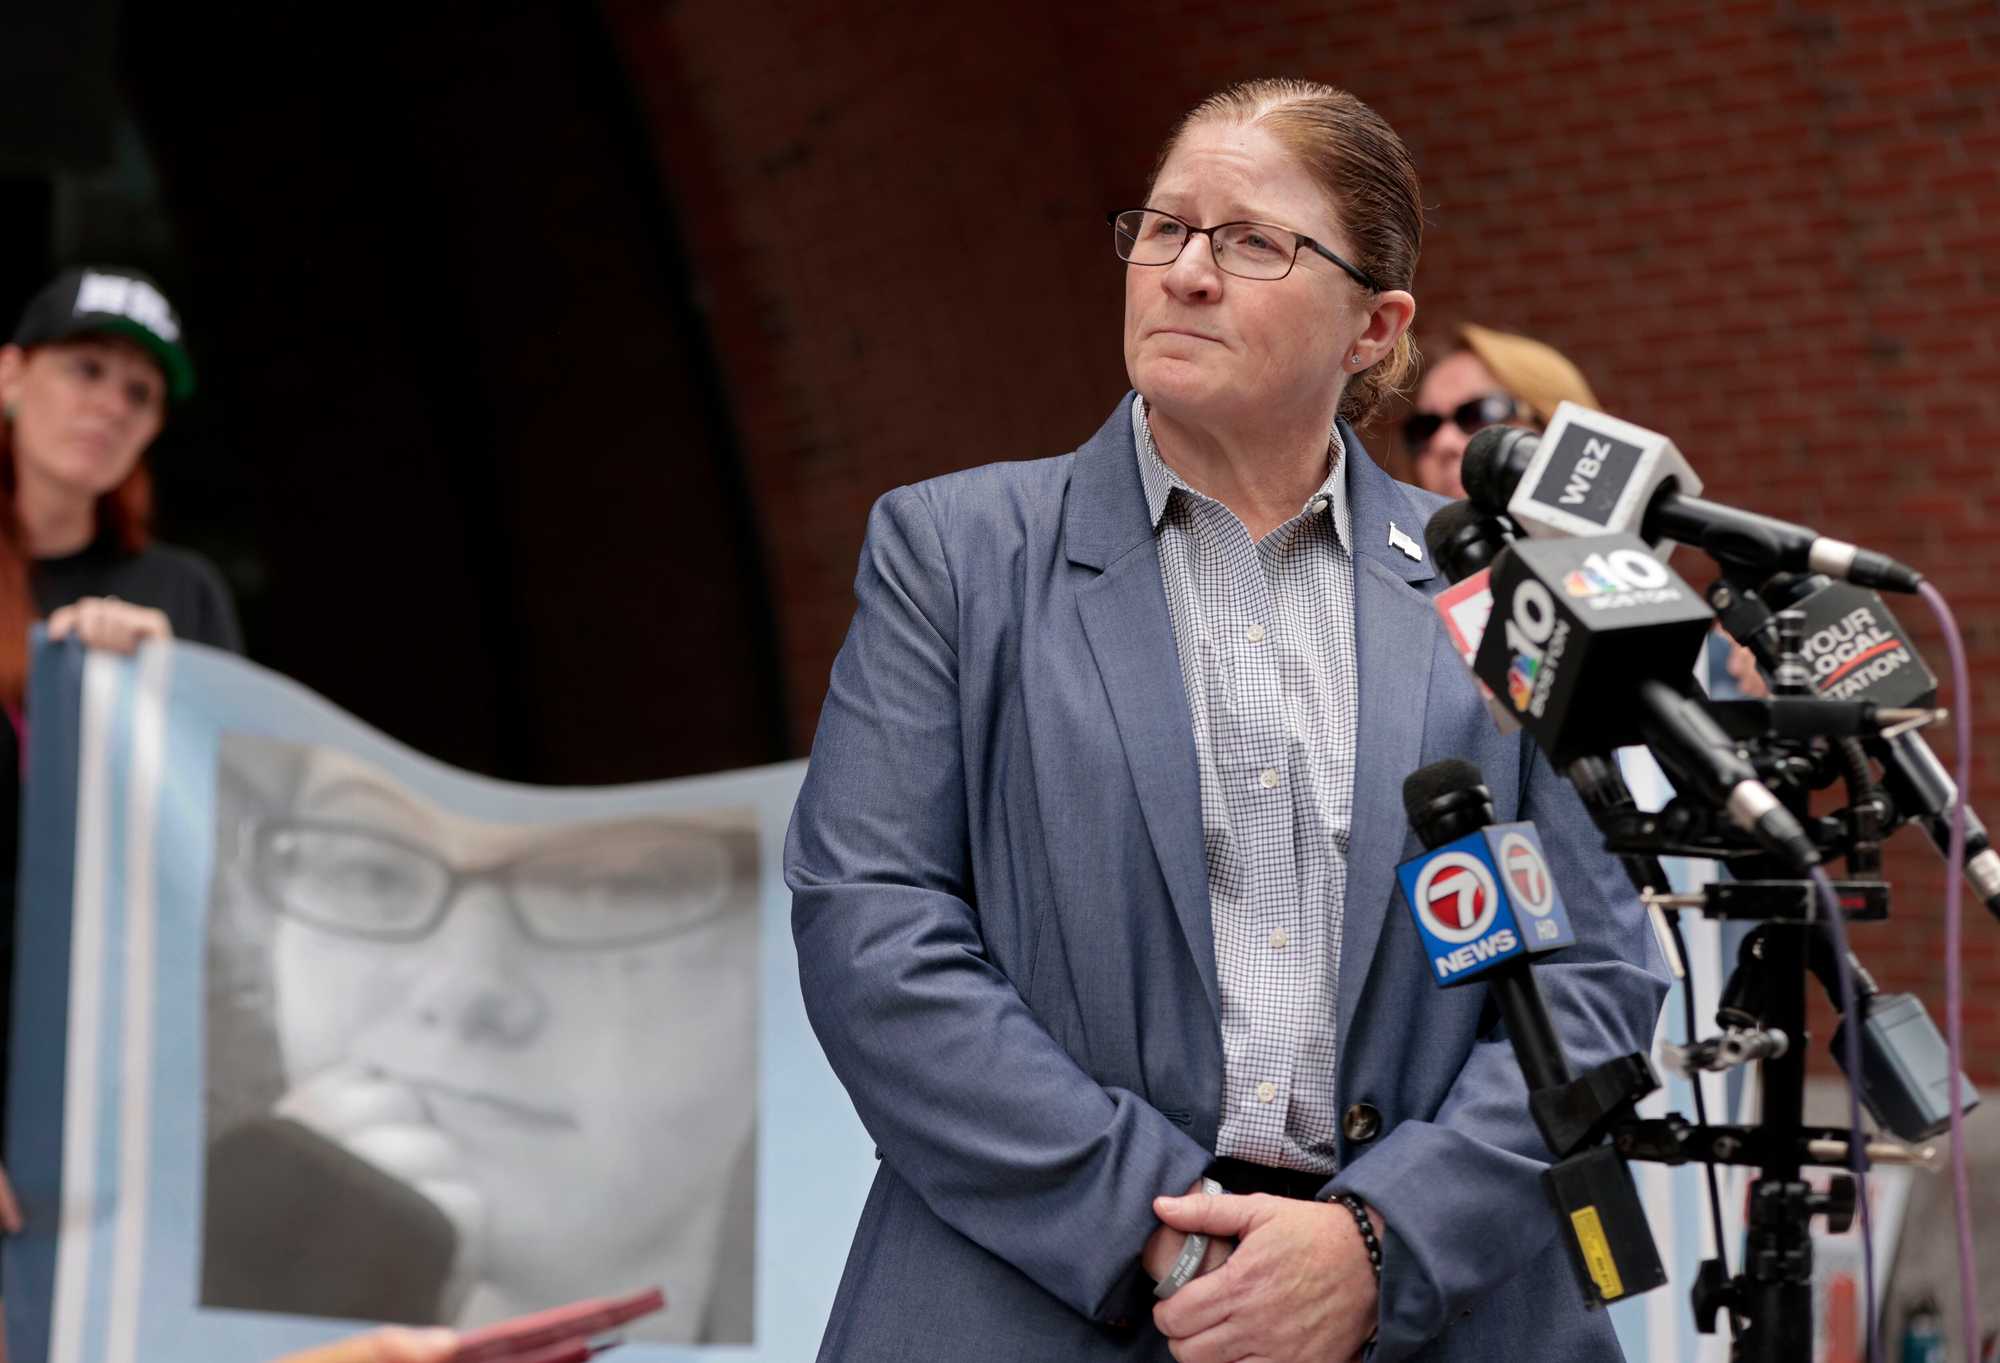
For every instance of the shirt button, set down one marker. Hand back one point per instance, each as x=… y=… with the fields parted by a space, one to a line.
x=1278 y=939
x=1316 y=505
x=1269 y=778
x=1255 y=634
x=1266 y=1091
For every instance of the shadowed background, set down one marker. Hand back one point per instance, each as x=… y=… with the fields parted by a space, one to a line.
x=562 y=350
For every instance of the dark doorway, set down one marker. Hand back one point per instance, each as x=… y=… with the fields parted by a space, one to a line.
x=464 y=453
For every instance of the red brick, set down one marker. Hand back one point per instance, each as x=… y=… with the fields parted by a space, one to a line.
x=1778 y=239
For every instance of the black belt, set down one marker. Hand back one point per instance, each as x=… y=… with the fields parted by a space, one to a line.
x=1241 y=1176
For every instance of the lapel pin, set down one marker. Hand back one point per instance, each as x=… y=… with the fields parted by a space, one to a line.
x=1399 y=540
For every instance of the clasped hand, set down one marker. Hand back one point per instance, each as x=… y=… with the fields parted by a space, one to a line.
x=1296 y=1286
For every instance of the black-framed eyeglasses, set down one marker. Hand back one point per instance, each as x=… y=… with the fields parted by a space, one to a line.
x=627 y=885
x=1471 y=415
x=1248 y=250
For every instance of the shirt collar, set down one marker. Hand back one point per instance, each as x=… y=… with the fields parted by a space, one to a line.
x=1160 y=482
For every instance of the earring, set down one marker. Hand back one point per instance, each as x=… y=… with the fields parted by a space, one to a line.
x=1354 y=360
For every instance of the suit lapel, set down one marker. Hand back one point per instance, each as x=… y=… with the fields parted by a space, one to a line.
x=1131 y=635
x=1395 y=637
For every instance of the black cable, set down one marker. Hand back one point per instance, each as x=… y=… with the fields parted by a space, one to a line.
x=1835 y=922
x=1854 y=769
x=1855 y=991
x=1688 y=1012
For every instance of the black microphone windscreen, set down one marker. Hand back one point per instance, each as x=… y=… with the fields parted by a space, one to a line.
x=1494 y=460
x=1447 y=523
x=1463 y=539
x=297 y=1224
x=1426 y=785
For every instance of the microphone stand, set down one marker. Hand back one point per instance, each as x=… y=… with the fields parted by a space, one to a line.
x=1795 y=743
x=1764 y=1010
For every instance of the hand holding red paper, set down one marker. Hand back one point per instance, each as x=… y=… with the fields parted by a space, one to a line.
x=517 y=1340
x=564 y=1334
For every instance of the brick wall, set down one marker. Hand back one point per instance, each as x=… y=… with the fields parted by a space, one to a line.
x=1771 y=229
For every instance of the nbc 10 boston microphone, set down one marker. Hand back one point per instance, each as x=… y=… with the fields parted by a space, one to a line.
x=1591 y=644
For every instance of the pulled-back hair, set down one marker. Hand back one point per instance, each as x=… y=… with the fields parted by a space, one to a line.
x=1366 y=173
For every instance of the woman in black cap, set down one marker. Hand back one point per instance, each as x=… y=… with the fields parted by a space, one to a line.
x=84 y=389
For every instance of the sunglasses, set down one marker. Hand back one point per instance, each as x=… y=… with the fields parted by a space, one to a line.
x=1468 y=416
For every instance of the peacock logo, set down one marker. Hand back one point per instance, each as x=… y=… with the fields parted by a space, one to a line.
x=1521 y=679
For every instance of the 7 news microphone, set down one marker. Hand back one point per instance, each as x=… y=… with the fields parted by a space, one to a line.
x=1485 y=904
x=1472 y=927
x=1592 y=474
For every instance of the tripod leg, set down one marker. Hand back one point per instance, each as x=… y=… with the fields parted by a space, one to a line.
x=1776 y=1286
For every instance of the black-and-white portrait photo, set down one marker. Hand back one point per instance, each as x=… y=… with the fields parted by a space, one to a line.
x=458 y=1069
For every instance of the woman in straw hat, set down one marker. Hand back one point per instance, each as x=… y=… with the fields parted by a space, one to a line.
x=1492 y=377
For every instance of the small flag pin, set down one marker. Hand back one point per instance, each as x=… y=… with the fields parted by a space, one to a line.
x=1399 y=540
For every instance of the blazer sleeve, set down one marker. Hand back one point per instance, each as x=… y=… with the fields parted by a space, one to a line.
x=970 y=1099
x=1461 y=1194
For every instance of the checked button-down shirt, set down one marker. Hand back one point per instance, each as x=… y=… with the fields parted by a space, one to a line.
x=1265 y=633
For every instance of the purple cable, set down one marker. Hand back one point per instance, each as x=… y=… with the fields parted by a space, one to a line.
x=1954 y=1002
x=1857 y=1135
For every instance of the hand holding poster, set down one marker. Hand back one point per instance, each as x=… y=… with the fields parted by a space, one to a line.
x=312 y=1030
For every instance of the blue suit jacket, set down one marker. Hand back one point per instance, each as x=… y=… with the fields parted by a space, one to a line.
x=1002 y=917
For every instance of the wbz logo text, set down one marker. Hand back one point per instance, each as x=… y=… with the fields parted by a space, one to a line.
x=1576 y=490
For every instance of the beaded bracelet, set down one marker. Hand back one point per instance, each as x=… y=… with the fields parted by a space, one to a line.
x=1366 y=1225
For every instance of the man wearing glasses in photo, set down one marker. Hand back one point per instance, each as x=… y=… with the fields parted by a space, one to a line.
x=460 y=1070
x=1491 y=378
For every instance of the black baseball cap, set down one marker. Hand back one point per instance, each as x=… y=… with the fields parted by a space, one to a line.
x=110 y=298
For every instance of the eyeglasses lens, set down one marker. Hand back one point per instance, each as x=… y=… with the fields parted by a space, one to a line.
x=1248 y=250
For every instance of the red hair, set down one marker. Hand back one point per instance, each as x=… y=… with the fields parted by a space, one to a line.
x=124 y=515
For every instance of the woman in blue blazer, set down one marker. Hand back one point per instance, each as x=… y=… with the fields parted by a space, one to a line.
x=1093 y=867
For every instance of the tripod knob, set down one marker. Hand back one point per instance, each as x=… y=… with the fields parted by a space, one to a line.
x=1836 y=1204
x=1712 y=1293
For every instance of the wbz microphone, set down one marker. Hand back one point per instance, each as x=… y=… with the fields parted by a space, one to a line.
x=1484 y=904
x=1590 y=474
x=1591 y=644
